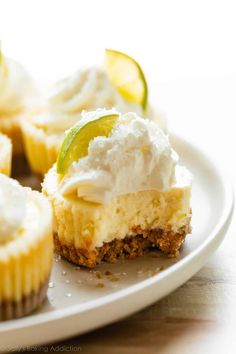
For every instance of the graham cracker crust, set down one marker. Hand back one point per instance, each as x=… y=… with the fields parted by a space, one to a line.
x=128 y=248
x=15 y=309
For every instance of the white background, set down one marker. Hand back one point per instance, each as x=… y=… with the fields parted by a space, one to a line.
x=186 y=48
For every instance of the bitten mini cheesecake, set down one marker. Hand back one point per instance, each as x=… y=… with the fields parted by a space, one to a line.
x=117 y=190
x=87 y=89
x=26 y=249
x=5 y=155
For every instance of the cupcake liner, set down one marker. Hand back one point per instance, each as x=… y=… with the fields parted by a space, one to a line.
x=11 y=127
x=5 y=155
x=25 y=264
x=41 y=150
x=23 y=268
x=16 y=309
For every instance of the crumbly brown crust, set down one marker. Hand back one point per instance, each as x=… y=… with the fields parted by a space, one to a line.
x=130 y=247
x=14 y=309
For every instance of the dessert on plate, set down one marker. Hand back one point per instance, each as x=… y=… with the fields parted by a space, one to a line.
x=117 y=190
x=120 y=84
x=26 y=248
x=5 y=154
x=16 y=92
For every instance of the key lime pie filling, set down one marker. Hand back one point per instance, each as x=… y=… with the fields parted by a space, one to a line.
x=5 y=154
x=16 y=93
x=86 y=90
x=26 y=248
x=125 y=195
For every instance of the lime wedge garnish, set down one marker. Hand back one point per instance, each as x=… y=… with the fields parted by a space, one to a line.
x=127 y=76
x=76 y=142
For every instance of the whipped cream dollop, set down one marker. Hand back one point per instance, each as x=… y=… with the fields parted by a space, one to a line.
x=85 y=90
x=16 y=86
x=136 y=156
x=12 y=207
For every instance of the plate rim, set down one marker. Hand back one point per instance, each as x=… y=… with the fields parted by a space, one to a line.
x=216 y=234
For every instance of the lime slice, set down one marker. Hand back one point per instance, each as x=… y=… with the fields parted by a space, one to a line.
x=127 y=76
x=76 y=142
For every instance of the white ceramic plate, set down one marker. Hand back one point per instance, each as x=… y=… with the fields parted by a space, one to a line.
x=79 y=301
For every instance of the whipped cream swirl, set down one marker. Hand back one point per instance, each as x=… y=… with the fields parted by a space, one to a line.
x=86 y=90
x=12 y=207
x=136 y=156
x=16 y=87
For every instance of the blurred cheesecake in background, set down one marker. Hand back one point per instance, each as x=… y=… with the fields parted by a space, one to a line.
x=16 y=95
x=5 y=154
x=117 y=190
x=120 y=84
x=26 y=248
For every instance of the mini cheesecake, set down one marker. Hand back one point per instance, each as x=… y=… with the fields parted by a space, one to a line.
x=26 y=249
x=41 y=146
x=87 y=89
x=128 y=196
x=5 y=155
x=16 y=93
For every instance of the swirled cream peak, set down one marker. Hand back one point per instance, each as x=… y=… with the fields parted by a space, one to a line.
x=16 y=87
x=12 y=207
x=136 y=156
x=86 y=90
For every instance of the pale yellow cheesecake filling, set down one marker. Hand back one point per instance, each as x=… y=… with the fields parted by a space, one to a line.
x=89 y=225
x=5 y=154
